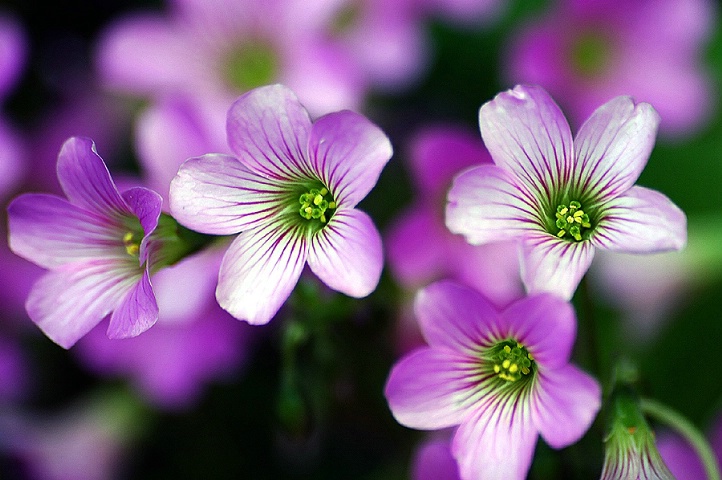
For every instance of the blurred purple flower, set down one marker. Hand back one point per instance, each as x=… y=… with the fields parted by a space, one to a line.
x=214 y=50
x=465 y=12
x=562 y=198
x=12 y=61
x=421 y=249
x=386 y=40
x=89 y=441
x=291 y=193
x=96 y=246
x=586 y=52
x=193 y=342
x=503 y=377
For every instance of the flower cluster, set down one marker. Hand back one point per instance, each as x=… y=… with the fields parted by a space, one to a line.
x=234 y=261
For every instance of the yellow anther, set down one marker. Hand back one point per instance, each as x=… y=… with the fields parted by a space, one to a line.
x=132 y=249
x=507 y=349
x=331 y=204
x=323 y=191
x=514 y=368
x=563 y=211
x=505 y=364
x=318 y=199
x=570 y=219
x=529 y=356
x=525 y=370
x=127 y=237
x=497 y=368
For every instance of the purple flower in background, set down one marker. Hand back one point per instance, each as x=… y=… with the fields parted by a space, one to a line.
x=214 y=50
x=562 y=198
x=420 y=247
x=95 y=245
x=12 y=60
x=588 y=51
x=290 y=195
x=90 y=440
x=503 y=377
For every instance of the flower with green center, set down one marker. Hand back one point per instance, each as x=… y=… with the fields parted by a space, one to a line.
x=562 y=198
x=99 y=246
x=502 y=377
x=290 y=195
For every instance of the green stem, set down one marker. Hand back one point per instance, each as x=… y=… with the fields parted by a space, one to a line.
x=684 y=427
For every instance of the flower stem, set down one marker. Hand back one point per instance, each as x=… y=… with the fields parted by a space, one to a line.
x=684 y=427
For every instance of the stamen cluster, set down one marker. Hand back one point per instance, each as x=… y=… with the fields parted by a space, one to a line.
x=571 y=220
x=511 y=360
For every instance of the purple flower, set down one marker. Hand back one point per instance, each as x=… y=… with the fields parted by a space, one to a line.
x=562 y=198
x=588 y=51
x=503 y=377
x=290 y=195
x=215 y=50
x=95 y=245
x=12 y=60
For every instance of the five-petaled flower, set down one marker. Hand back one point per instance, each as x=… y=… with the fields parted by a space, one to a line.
x=503 y=377
x=96 y=245
x=290 y=195
x=563 y=198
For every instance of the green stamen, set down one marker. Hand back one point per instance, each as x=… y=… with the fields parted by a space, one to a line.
x=511 y=361
x=572 y=221
x=317 y=204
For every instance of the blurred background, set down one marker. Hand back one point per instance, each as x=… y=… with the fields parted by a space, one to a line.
x=202 y=395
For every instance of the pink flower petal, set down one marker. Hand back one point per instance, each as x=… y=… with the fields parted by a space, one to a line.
x=456 y=317
x=268 y=129
x=137 y=312
x=497 y=440
x=486 y=205
x=553 y=265
x=68 y=302
x=349 y=152
x=50 y=231
x=546 y=325
x=564 y=404
x=431 y=388
x=641 y=221
x=86 y=180
x=258 y=272
x=526 y=133
x=612 y=148
x=347 y=254
x=219 y=195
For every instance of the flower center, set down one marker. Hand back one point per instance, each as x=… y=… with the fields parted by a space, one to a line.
x=316 y=204
x=511 y=361
x=131 y=241
x=590 y=54
x=572 y=221
x=251 y=65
